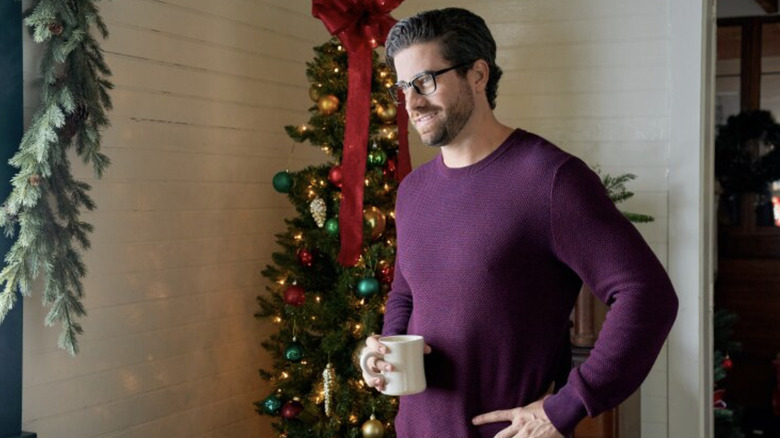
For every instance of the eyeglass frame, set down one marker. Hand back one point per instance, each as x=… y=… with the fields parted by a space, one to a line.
x=402 y=86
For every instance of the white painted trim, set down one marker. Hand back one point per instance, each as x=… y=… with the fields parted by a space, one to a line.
x=690 y=218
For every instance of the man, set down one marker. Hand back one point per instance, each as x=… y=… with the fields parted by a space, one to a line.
x=495 y=237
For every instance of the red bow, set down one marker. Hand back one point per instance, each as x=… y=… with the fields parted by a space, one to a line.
x=361 y=25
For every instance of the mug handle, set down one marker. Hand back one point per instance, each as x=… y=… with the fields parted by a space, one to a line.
x=364 y=362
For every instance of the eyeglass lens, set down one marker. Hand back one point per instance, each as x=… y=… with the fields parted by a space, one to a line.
x=424 y=84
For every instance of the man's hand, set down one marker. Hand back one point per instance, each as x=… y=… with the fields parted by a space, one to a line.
x=527 y=422
x=378 y=365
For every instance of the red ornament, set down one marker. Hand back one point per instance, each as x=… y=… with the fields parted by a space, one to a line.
x=291 y=409
x=294 y=296
x=391 y=168
x=718 y=399
x=386 y=274
x=305 y=257
x=728 y=364
x=335 y=175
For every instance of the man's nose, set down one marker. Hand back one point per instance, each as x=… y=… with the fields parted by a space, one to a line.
x=413 y=99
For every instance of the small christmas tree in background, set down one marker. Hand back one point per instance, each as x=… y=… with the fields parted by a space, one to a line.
x=323 y=309
x=726 y=422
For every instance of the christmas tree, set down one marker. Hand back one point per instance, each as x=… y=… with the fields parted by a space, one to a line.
x=726 y=421
x=324 y=310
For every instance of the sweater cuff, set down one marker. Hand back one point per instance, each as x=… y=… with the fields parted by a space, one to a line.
x=565 y=410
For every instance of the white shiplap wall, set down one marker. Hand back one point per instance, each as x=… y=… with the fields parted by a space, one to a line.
x=185 y=222
x=186 y=214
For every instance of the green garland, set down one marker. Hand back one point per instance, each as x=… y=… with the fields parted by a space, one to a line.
x=45 y=203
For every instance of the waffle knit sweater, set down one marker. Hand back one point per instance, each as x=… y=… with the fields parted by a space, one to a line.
x=489 y=264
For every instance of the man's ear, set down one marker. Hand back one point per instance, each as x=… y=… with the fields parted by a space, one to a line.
x=481 y=74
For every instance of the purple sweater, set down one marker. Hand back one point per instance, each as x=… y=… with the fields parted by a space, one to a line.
x=488 y=268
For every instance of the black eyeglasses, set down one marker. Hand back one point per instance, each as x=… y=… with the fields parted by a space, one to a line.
x=424 y=83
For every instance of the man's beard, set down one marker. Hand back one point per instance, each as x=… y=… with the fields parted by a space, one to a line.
x=456 y=117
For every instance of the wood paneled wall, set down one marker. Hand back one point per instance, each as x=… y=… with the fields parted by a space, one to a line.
x=185 y=222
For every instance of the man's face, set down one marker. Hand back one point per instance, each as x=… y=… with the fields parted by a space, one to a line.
x=438 y=117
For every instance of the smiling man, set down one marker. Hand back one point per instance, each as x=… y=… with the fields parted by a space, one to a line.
x=495 y=237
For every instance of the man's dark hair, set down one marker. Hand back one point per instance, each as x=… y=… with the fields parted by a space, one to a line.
x=462 y=35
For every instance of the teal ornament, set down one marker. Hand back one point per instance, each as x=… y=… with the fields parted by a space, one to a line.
x=283 y=182
x=271 y=405
x=294 y=352
x=377 y=157
x=367 y=287
x=332 y=226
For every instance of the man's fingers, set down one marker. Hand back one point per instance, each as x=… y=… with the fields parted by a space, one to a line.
x=509 y=432
x=492 y=417
x=373 y=343
x=427 y=349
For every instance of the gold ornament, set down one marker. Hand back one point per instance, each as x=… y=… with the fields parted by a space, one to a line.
x=376 y=220
x=329 y=379
x=388 y=132
x=387 y=113
x=328 y=104
x=318 y=211
x=314 y=92
x=373 y=428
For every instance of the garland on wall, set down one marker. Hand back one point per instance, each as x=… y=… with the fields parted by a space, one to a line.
x=44 y=207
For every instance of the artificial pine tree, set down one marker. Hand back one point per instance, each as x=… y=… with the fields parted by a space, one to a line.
x=726 y=418
x=324 y=310
x=43 y=210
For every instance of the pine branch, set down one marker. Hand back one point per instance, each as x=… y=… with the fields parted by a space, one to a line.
x=46 y=202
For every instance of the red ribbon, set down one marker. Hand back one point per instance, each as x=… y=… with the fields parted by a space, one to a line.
x=361 y=25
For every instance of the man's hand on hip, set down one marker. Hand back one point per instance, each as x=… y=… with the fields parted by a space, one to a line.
x=527 y=422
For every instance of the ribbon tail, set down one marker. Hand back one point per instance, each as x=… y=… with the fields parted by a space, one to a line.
x=404 y=158
x=355 y=154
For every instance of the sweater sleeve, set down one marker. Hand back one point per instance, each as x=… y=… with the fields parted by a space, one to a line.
x=398 y=308
x=596 y=241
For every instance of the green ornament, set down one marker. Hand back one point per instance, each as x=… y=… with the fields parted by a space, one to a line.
x=283 y=182
x=294 y=351
x=377 y=157
x=332 y=226
x=271 y=405
x=367 y=287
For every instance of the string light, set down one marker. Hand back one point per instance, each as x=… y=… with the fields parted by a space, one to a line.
x=317 y=298
x=281 y=281
x=285 y=375
x=298 y=236
x=277 y=319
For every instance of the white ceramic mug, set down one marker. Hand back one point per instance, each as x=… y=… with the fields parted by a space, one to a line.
x=405 y=353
